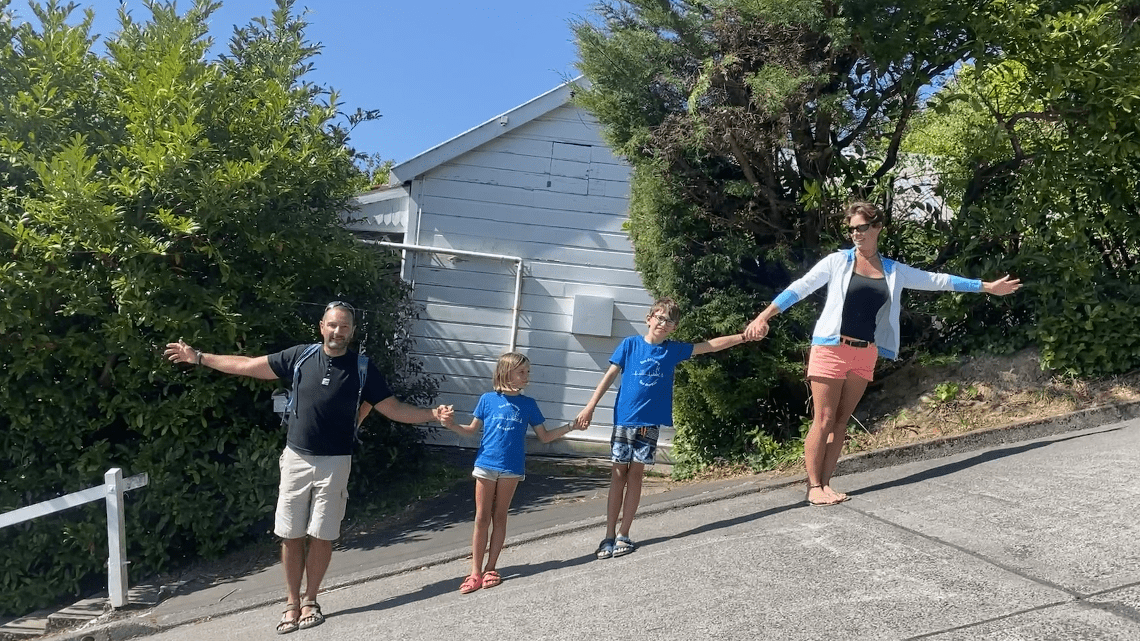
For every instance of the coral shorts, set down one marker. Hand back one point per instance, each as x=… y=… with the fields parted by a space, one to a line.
x=837 y=361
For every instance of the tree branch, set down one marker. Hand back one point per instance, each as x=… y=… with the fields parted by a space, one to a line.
x=1048 y=116
x=896 y=138
x=886 y=94
x=1010 y=124
x=738 y=153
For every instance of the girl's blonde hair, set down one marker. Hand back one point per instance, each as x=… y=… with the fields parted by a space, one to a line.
x=508 y=363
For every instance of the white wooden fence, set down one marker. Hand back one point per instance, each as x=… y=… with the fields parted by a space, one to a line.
x=114 y=485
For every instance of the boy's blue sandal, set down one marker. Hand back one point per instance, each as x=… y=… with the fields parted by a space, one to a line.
x=605 y=549
x=623 y=546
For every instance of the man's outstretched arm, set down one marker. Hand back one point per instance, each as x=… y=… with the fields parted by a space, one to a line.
x=251 y=366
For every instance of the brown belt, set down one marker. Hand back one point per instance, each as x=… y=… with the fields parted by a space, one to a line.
x=848 y=341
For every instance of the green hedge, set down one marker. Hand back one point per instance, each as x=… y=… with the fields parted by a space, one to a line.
x=150 y=194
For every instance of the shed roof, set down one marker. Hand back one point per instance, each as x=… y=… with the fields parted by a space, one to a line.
x=383 y=209
x=476 y=136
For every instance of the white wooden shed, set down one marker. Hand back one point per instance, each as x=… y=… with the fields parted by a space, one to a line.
x=513 y=237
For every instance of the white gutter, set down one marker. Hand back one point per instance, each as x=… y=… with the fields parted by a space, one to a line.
x=459 y=252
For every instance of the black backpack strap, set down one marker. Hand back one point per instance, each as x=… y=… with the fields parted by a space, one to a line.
x=362 y=374
x=291 y=407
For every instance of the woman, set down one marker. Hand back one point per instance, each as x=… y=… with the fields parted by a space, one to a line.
x=860 y=321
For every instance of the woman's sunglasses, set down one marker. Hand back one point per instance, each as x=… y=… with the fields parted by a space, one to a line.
x=862 y=229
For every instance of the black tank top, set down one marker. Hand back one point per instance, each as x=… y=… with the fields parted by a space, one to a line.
x=865 y=297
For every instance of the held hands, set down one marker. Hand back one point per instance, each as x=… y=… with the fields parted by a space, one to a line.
x=445 y=414
x=757 y=329
x=570 y=427
x=582 y=421
x=1002 y=286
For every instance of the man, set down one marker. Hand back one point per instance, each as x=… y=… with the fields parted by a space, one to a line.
x=323 y=418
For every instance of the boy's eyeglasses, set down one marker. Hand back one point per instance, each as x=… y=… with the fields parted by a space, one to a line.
x=341 y=303
x=661 y=320
x=862 y=229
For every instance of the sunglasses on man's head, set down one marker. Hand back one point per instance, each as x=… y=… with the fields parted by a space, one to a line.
x=340 y=303
x=862 y=229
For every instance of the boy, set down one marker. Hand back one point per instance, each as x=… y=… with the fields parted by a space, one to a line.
x=644 y=404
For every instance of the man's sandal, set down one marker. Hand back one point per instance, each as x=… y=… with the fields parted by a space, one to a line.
x=313 y=618
x=288 y=625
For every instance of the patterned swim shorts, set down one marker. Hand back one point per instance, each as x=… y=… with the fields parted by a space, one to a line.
x=634 y=443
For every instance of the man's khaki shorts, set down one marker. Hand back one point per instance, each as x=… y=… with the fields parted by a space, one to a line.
x=312 y=495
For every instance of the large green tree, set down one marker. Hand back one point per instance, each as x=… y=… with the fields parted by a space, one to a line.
x=1039 y=156
x=749 y=122
x=150 y=194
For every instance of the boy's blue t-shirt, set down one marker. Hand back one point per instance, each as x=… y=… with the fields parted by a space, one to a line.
x=505 y=421
x=646 y=393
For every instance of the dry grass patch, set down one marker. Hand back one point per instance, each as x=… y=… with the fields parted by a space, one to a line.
x=916 y=403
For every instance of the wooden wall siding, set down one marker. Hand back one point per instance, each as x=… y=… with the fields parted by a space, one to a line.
x=553 y=193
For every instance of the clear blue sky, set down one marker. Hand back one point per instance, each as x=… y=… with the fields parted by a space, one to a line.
x=434 y=68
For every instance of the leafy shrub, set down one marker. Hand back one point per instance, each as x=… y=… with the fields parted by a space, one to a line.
x=150 y=195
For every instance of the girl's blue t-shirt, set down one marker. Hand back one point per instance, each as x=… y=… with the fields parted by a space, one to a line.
x=505 y=422
x=646 y=393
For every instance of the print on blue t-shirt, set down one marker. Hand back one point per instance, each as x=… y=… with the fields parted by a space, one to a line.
x=650 y=374
x=505 y=422
x=646 y=393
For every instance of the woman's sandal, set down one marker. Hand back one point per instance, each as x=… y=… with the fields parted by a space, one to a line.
x=313 y=618
x=289 y=625
x=817 y=503
x=470 y=584
x=491 y=578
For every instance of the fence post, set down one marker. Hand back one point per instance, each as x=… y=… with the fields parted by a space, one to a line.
x=116 y=538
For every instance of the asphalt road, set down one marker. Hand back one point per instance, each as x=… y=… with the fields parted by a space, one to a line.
x=1034 y=540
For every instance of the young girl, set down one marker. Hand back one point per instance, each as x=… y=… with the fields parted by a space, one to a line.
x=504 y=416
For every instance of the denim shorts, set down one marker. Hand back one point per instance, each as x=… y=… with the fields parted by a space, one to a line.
x=634 y=443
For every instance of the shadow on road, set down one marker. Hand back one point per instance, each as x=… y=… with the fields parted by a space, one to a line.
x=457 y=507
x=984 y=457
x=717 y=525
x=447 y=586
x=934 y=472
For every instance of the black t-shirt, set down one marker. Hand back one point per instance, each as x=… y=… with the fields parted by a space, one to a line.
x=325 y=424
x=865 y=298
